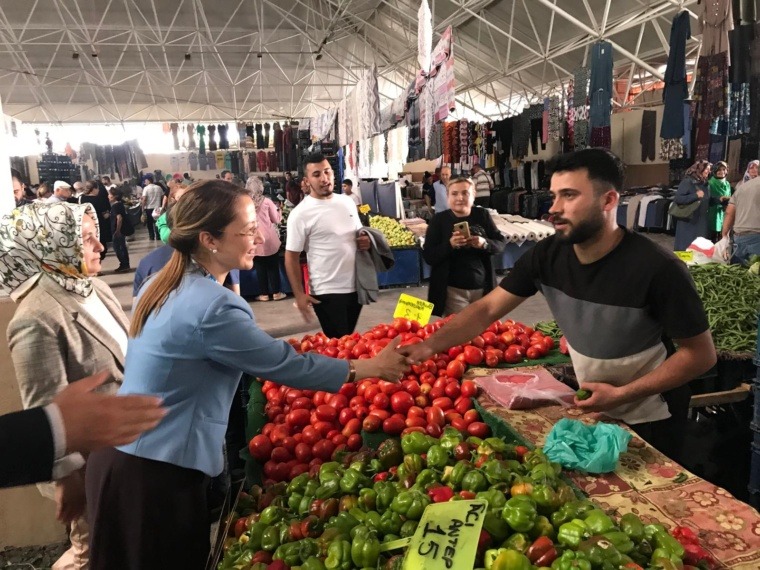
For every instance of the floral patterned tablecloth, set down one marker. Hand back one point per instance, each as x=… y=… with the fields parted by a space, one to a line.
x=645 y=484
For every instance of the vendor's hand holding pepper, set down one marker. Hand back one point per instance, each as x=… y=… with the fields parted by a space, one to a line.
x=603 y=397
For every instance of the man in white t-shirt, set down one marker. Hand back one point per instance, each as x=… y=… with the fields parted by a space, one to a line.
x=441 y=193
x=325 y=226
x=483 y=186
x=348 y=190
x=152 y=199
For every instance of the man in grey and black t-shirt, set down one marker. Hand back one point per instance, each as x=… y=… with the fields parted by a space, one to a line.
x=621 y=300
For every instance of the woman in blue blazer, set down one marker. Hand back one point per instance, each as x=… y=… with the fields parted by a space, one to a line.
x=190 y=341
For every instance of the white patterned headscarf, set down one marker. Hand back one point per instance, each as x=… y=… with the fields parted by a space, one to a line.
x=45 y=238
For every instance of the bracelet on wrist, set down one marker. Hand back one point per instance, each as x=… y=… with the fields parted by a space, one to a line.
x=351 y=372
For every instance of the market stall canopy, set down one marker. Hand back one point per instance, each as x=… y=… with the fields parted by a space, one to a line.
x=196 y=60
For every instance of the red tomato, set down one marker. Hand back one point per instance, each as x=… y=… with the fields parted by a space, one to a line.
x=359 y=349
x=311 y=435
x=297 y=469
x=345 y=415
x=434 y=430
x=524 y=340
x=371 y=423
x=332 y=433
x=436 y=416
x=301 y=402
x=382 y=414
x=281 y=472
x=319 y=398
x=401 y=402
x=411 y=386
x=548 y=343
x=421 y=401
x=260 y=447
x=338 y=439
x=427 y=377
x=452 y=390
x=289 y=443
x=337 y=401
x=381 y=401
x=353 y=426
x=273 y=412
x=389 y=388
x=507 y=338
x=267 y=429
x=303 y=452
x=402 y=325
x=472 y=416
x=455 y=369
x=371 y=392
x=415 y=421
x=477 y=342
x=298 y=418
x=331 y=351
x=281 y=455
x=323 y=428
x=462 y=404
x=436 y=392
x=327 y=413
x=451 y=414
x=361 y=412
x=348 y=390
x=478 y=429
x=454 y=351
x=306 y=346
x=492 y=361
x=415 y=412
x=489 y=338
x=324 y=449
x=354 y=442
x=394 y=425
x=355 y=402
x=444 y=403
x=513 y=354
x=298 y=437
x=469 y=389
x=533 y=353
x=460 y=424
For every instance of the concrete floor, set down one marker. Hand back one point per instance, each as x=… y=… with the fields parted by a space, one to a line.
x=281 y=319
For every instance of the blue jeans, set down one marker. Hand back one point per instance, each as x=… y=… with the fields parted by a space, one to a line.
x=746 y=246
x=120 y=247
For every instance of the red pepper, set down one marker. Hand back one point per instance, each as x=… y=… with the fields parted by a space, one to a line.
x=542 y=551
x=381 y=477
x=521 y=450
x=481 y=459
x=393 y=470
x=685 y=535
x=484 y=541
x=467 y=495
x=440 y=494
x=698 y=556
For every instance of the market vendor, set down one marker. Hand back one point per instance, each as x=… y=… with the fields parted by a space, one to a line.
x=620 y=299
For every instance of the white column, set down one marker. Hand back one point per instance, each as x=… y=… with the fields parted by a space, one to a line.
x=7 y=202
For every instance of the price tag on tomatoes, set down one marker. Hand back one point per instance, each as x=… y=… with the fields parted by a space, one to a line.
x=409 y=307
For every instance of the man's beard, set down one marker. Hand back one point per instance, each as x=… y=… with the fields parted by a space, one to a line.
x=583 y=230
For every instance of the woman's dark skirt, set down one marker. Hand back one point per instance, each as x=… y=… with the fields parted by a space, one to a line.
x=145 y=514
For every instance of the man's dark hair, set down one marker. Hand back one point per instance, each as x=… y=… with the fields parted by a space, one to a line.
x=348 y=183
x=224 y=173
x=313 y=158
x=148 y=178
x=605 y=170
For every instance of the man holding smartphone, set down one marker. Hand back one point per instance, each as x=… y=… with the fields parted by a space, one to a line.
x=458 y=246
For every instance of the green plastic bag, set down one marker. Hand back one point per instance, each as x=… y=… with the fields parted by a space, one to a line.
x=593 y=449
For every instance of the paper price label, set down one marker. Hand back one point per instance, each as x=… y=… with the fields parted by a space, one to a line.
x=409 y=307
x=685 y=255
x=364 y=208
x=447 y=536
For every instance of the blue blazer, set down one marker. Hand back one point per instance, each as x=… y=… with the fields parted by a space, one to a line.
x=192 y=353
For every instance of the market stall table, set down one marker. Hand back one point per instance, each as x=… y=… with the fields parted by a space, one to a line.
x=650 y=485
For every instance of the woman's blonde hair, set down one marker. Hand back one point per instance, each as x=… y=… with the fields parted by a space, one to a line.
x=208 y=206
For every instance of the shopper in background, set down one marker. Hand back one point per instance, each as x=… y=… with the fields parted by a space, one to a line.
x=325 y=225
x=441 y=192
x=44 y=192
x=693 y=188
x=267 y=263
x=152 y=199
x=293 y=190
x=621 y=300
x=190 y=339
x=61 y=192
x=19 y=189
x=461 y=270
x=106 y=180
x=348 y=189
x=483 y=186
x=96 y=195
x=428 y=192
x=720 y=192
x=67 y=325
x=162 y=223
x=750 y=173
x=743 y=220
x=78 y=191
x=119 y=223
x=227 y=176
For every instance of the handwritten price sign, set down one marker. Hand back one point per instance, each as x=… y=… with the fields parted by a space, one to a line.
x=447 y=536
x=409 y=307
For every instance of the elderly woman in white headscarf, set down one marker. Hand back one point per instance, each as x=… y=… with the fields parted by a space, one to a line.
x=751 y=172
x=267 y=262
x=68 y=325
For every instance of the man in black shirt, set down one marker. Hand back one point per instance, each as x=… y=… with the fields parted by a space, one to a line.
x=619 y=298
x=119 y=227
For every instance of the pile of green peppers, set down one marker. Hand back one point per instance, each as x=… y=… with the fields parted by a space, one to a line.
x=340 y=517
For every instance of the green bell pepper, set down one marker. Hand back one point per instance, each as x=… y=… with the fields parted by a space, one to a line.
x=372 y=520
x=619 y=540
x=495 y=525
x=573 y=533
x=450 y=438
x=457 y=473
x=367 y=499
x=390 y=523
x=543 y=473
x=543 y=527
x=408 y=528
x=520 y=513
x=294 y=501
x=365 y=550
x=343 y=521
x=598 y=522
x=390 y=537
x=474 y=481
x=255 y=533
x=426 y=478
x=305 y=505
x=497 y=471
x=339 y=555
x=664 y=541
x=389 y=453
x=632 y=526
x=506 y=559
x=437 y=457
x=298 y=484
x=330 y=470
x=352 y=481
x=271 y=515
x=385 y=492
x=311 y=488
x=313 y=563
x=545 y=497
x=416 y=442
x=491 y=445
x=651 y=530
x=330 y=488
x=496 y=499
x=600 y=551
x=288 y=553
x=270 y=539
x=570 y=511
x=283 y=529
x=571 y=560
x=518 y=541
x=413 y=463
x=410 y=504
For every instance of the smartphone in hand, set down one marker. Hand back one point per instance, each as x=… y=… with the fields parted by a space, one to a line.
x=463 y=228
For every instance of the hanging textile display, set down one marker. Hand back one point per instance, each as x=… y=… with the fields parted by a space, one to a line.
x=569 y=142
x=580 y=111
x=416 y=148
x=322 y=124
x=342 y=116
x=378 y=165
x=424 y=36
x=715 y=21
x=600 y=94
x=676 y=89
x=555 y=117
x=442 y=83
x=398 y=144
